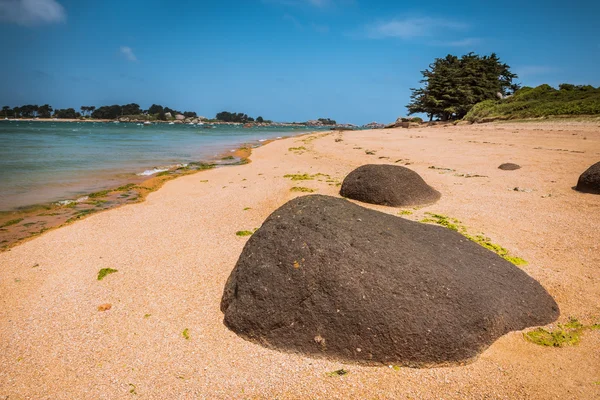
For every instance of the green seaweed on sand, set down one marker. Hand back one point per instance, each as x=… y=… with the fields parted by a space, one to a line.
x=297 y=149
x=105 y=271
x=568 y=334
x=299 y=177
x=81 y=213
x=186 y=334
x=228 y=158
x=339 y=372
x=126 y=187
x=247 y=208
x=11 y=222
x=405 y=212
x=101 y=193
x=484 y=241
x=164 y=173
x=243 y=233
x=302 y=189
x=132 y=388
x=439 y=219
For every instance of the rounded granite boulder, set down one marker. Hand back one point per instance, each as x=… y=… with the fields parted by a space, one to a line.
x=509 y=166
x=388 y=185
x=589 y=181
x=325 y=277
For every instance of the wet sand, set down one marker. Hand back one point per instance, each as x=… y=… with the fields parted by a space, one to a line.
x=174 y=252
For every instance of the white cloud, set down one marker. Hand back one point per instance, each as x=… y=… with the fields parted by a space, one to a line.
x=31 y=12
x=127 y=52
x=408 y=28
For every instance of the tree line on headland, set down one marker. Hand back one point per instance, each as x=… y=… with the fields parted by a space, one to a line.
x=104 y=112
x=482 y=88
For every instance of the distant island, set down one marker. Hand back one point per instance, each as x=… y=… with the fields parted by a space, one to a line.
x=134 y=113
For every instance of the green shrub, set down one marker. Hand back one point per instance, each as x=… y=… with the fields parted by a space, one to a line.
x=542 y=101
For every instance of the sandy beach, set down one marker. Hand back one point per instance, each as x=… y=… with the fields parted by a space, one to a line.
x=175 y=250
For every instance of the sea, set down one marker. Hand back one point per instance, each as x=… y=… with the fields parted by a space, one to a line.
x=47 y=161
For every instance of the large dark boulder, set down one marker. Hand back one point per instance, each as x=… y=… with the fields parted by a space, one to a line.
x=326 y=277
x=509 y=166
x=388 y=185
x=589 y=181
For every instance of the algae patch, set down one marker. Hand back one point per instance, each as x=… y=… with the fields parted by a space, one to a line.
x=299 y=177
x=568 y=334
x=339 y=372
x=105 y=271
x=302 y=189
x=11 y=222
x=455 y=225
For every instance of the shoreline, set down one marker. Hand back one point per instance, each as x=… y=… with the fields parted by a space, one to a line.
x=174 y=252
x=41 y=218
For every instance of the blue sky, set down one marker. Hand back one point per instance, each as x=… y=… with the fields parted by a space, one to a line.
x=287 y=60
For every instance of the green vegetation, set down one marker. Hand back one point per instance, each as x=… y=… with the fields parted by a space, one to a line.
x=81 y=213
x=299 y=177
x=11 y=222
x=101 y=193
x=297 y=149
x=186 y=334
x=455 y=225
x=126 y=187
x=243 y=233
x=132 y=110
x=324 y=121
x=302 y=189
x=405 y=212
x=542 y=101
x=568 y=334
x=105 y=271
x=227 y=116
x=452 y=85
x=339 y=372
x=201 y=166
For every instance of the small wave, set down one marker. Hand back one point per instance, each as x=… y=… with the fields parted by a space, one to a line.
x=157 y=170
x=149 y=172
x=262 y=140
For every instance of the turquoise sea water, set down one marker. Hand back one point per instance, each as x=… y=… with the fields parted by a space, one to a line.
x=42 y=162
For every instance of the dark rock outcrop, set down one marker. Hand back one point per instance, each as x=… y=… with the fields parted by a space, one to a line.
x=509 y=166
x=589 y=181
x=388 y=185
x=328 y=278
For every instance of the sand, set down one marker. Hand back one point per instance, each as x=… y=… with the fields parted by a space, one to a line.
x=174 y=252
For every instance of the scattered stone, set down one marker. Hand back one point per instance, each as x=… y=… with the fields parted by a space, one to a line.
x=589 y=181
x=325 y=277
x=509 y=166
x=388 y=185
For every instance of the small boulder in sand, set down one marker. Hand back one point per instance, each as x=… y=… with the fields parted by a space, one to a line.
x=388 y=185
x=328 y=278
x=509 y=166
x=589 y=181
